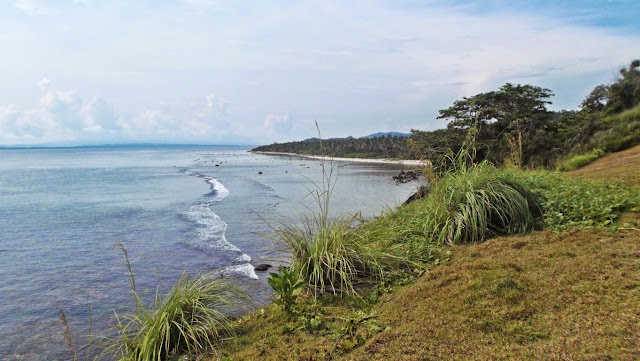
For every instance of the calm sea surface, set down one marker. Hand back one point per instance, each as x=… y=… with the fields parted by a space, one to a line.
x=177 y=210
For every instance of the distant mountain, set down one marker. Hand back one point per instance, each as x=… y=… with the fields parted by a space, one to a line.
x=381 y=134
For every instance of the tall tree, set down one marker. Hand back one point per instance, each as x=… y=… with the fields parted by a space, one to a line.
x=512 y=107
x=625 y=92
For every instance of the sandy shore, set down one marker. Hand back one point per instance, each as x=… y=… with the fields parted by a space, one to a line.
x=407 y=162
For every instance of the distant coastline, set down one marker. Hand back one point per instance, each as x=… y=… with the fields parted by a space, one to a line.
x=123 y=146
x=407 y=162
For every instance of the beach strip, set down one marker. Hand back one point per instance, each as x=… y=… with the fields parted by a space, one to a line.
x=407 y=162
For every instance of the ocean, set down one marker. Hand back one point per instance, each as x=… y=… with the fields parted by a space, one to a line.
x=177 y=210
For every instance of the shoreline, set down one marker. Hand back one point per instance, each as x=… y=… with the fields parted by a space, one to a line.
x=407 y=162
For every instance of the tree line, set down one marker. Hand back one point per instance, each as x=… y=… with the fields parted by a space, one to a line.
x=514 y=125
x=380 y=147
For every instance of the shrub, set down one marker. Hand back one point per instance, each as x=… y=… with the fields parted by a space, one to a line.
x=618 y=132
x=329 y=253
x=466 y=203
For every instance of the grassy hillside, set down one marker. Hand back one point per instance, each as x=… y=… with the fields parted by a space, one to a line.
x=611 y=133
x=623 y=166
x=568 y=294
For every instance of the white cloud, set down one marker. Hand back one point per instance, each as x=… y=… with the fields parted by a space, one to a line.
x=63 y=115
x=216 y=105
x=278 y=124
x=351 y=65
x=44 y=84
x=99 y=114
x=59 y=116
x=33 y=8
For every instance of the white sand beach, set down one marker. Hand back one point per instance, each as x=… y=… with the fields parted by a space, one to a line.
x=407 y=162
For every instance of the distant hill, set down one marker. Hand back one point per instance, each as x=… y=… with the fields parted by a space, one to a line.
x=381 y=134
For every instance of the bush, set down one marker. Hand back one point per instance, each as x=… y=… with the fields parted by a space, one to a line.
x=580 y=161
x=619 y=131
x=329 y=254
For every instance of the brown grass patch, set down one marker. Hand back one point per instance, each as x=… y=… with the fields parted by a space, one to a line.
x=579 y=307
x=623 y=165
x=568 y=296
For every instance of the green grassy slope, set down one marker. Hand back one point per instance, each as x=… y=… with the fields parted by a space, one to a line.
x=570 y=295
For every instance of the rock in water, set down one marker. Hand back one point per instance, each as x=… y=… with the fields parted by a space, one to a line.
x=262 y=267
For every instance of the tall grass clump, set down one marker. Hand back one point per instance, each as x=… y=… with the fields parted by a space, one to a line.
x=466 y=203
x=328 y=252
x=470 y=204
x=189 y=319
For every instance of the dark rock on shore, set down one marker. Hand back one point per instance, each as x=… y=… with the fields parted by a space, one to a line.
x=421 y=192
x=262 y=267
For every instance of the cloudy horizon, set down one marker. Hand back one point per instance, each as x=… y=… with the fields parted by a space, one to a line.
x=226 y=72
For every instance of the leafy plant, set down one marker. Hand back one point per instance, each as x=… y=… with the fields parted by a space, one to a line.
x=288 y=285
x=567 y=201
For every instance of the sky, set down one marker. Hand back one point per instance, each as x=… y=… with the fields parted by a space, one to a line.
x=79 y=72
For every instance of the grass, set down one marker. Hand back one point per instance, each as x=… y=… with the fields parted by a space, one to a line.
x=467 y=204
x=329 y=253
x=581 y=160
x=547 y=295
x=190 y=319
x=570 y=201
x=568 y=296
x=566 y=293
x=622 y=166
x=621 y=131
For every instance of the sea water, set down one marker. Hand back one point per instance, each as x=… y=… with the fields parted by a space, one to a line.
x=176 y=210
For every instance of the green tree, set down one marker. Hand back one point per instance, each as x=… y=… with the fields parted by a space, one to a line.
x=596 y=100
x=625 y=92
x=512 y=107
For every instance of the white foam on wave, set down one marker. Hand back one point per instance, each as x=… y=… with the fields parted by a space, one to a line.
x=218 y=188
x=244 y=258
x=212 y=234
x=245 y=269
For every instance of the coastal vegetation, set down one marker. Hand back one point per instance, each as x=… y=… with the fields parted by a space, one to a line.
x=566 y=291
x=514 y=127
x=499 y=258
x=379 y=147
x=192 y=318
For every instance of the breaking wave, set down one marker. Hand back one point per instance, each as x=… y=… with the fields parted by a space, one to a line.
x=211 y=230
